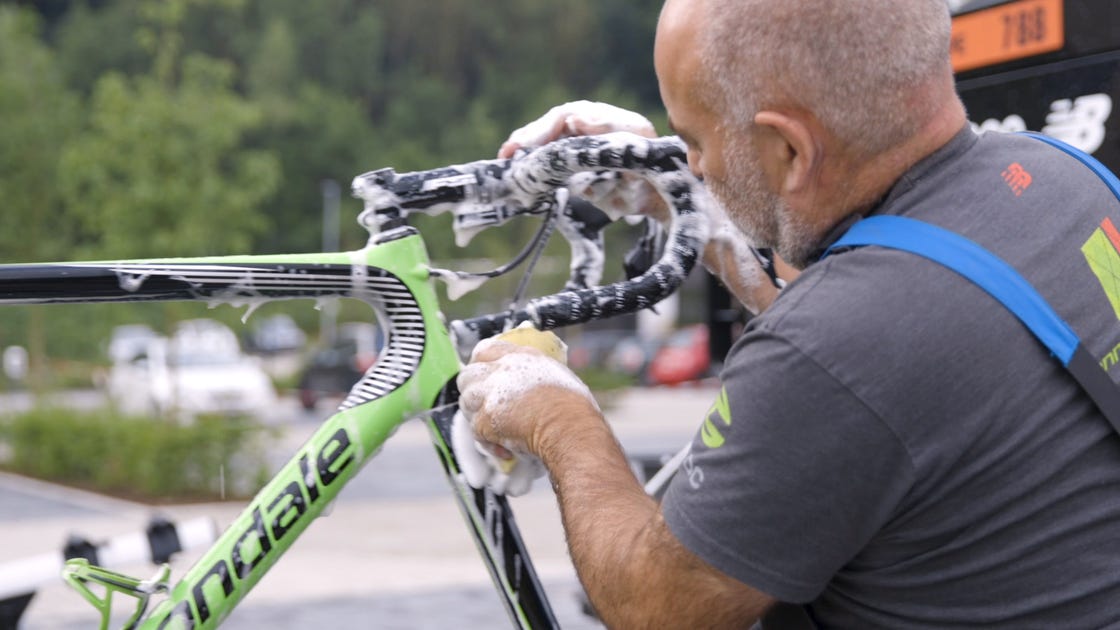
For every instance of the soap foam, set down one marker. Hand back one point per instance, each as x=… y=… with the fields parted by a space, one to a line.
x=499 y=385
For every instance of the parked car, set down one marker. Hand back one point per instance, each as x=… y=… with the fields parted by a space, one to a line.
x=684 y=357
x=632 y=356
x=333 y=369
x=199 y=369
x=129 y=340
x=589 y=349
x=276 y=334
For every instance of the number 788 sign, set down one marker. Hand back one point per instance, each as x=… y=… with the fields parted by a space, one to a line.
x=1007 y=32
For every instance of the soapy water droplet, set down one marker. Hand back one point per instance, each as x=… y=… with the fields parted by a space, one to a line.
x=250 y=309
x=458 y=285
x=131 y=282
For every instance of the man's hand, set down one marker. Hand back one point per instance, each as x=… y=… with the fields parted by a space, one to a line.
x=578 y=118
x=513 y=393
x=636 y=573
x=617 y=194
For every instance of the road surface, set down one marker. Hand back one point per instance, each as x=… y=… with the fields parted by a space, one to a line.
x=393 y=552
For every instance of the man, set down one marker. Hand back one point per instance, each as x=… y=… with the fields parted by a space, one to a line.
x=891 y=447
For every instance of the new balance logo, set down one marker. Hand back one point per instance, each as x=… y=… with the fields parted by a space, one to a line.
x=1017 y=178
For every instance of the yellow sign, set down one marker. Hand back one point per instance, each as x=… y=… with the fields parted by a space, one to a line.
x=1007 y=32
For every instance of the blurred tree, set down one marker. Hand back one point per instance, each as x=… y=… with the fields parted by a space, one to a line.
x=212 y=123
x=39 y=114
x=317 y=133
x=339 y=44
x=161 y=170
x=91 y=42
x=321 y=135
x=626 y=30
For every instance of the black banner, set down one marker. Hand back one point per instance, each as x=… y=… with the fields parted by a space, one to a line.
x=1072 y=94
x=1073 y=101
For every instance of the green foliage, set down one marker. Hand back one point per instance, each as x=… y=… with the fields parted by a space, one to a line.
x=39 y=115
x=160 y=171
x=141 y=458
x=316 y=135
x=193 y=127
x=91 y=43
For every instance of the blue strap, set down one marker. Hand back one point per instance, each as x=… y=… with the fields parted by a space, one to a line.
x=973 y=262
x=1002 y=282
x=1101 y=170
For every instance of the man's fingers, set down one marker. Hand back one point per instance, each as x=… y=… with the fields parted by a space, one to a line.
x=507 y=150
x=543 y=130
x=472 y=391
x=577 y=118
x=580 y=126
x=471 y=378
x=497 y=450
x=471 y=399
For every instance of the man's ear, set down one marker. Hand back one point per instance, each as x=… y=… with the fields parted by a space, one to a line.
x=789 y=151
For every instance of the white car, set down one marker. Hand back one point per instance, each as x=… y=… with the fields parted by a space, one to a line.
x=129 y=340
x=199 y=370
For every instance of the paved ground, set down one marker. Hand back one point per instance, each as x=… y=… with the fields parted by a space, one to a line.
x=392 y=553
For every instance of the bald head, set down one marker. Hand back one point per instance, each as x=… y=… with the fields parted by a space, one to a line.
x=798 y=113
x=678 y=33
x=870 y=70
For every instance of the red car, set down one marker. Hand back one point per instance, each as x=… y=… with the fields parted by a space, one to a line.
x=684 y=357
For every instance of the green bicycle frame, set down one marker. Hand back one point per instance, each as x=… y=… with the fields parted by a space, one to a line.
x=284 y=508
x=414 y=374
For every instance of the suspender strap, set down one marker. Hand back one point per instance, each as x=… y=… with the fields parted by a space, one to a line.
x=1101 y=170
x=1002 y=282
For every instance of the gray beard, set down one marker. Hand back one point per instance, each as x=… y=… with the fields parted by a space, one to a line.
x=765 y=219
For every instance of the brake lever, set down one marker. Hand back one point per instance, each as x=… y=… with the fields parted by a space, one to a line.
x=645 y=251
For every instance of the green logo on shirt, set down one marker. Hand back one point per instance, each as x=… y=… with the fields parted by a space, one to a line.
x=1102 y=251
x=718 y=415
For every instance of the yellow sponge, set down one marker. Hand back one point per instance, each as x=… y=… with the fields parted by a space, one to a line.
x=546 y=341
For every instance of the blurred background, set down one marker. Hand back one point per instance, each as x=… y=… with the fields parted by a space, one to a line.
x=162 y=128
x=157 y=128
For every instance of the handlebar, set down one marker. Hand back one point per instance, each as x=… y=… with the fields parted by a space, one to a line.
x=661 y=162
x=489 y=193
x=479 y=195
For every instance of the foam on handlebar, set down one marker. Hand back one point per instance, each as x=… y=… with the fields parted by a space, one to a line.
x=661 y=162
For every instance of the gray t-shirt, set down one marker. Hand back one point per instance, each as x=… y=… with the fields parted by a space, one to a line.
x=894 y=449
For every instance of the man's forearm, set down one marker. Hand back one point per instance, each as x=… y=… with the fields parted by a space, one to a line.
x=636 y=573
